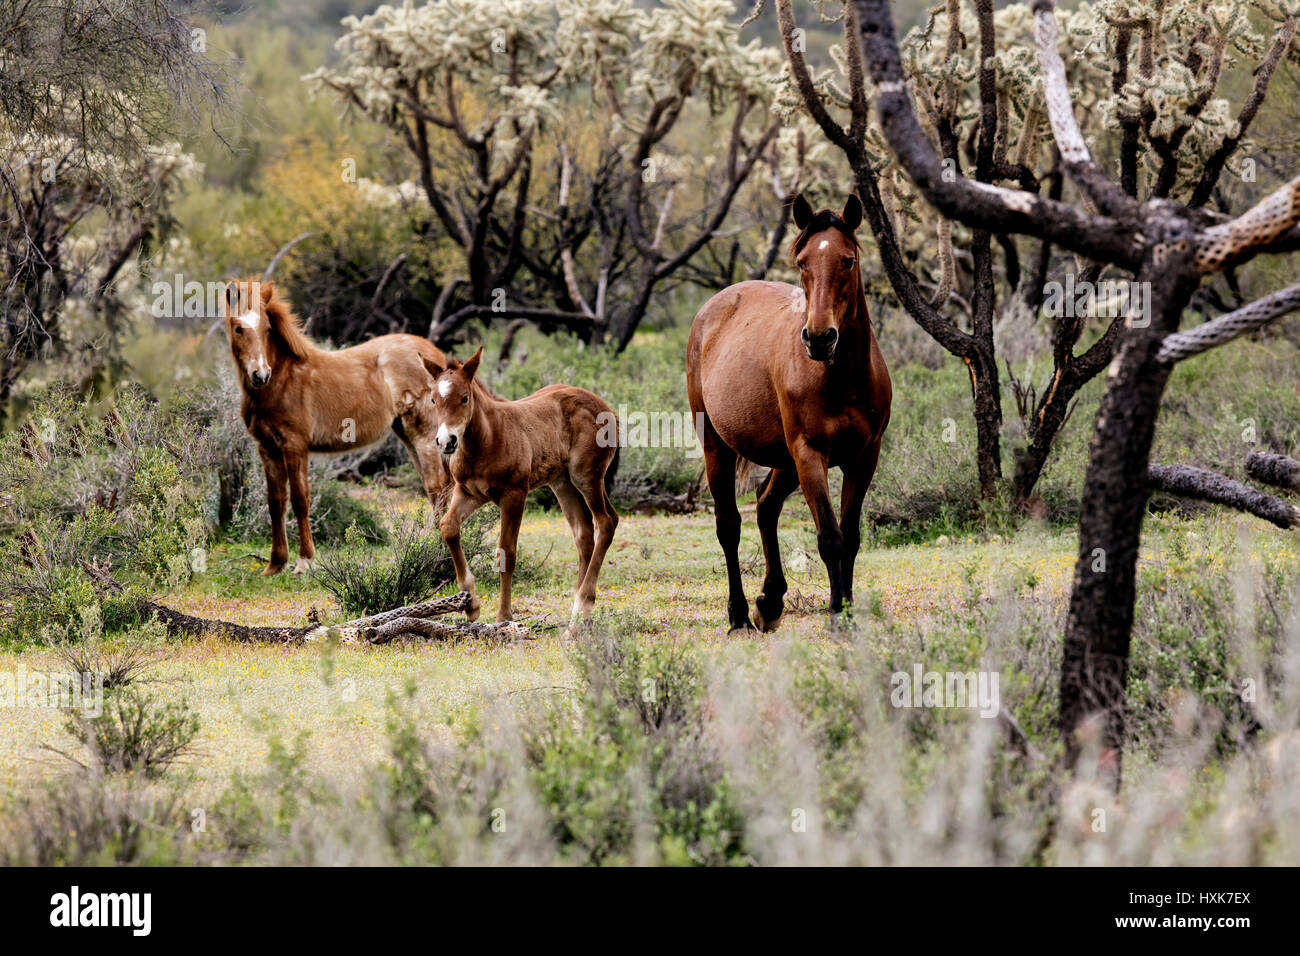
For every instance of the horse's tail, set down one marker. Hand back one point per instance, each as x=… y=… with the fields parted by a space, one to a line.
x=745 y=480
x=612 y=470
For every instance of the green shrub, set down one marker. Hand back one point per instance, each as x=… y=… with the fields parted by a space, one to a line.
x=135 y=733
x=363 y=582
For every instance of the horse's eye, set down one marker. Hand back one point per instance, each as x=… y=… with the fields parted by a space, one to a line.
x=848 y=262
x=239 y=330
x=464 y=400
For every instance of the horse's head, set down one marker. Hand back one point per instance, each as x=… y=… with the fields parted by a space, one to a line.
x=248 y=325
x=453 y=397
x=826 y=253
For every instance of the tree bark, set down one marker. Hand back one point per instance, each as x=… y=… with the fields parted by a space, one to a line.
x=1188 y=482
x=1094 y=667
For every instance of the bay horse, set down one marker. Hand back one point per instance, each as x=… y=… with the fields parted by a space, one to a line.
x=498 y=450
x=299 y=399
x=791 y=377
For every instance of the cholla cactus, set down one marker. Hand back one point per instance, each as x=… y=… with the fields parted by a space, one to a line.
x=495 y=99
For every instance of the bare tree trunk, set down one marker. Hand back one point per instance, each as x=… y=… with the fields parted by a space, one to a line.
x=1094 y=667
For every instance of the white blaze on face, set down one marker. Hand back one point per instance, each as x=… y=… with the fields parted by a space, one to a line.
x=254 y=355
x=824 y=244
x=444 y=387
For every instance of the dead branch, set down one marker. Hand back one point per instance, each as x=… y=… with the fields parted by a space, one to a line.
x=1188 y=482
x=1277 y=470
x=412 y=620
x=284 y=249
x=1225 y=328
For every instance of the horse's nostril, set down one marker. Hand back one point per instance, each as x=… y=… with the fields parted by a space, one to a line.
x=804 y=335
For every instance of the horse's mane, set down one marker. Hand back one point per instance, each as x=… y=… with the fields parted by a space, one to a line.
x=820 y=222
x=286 y=327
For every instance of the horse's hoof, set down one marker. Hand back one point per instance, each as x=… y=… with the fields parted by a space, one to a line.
x=272 y=570
x=504 y=618
x=742 y=626
x=763 y=621
x=303 y=565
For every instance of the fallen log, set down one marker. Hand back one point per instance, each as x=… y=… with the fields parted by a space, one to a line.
x=1188 y=482
x=420 y=627
x=410 y=621
x=1277 y=470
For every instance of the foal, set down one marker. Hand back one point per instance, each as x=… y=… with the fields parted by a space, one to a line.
x=299 y=399
x=498 y=450
x=791 y=377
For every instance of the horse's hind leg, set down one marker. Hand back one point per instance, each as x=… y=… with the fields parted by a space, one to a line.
x=605 y=521
x=720 y=468
x=857 y=479
x=770 y=604
x=578 y=515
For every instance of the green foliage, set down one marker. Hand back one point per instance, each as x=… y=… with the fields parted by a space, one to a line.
x=135 y=733
x=121 y=491
x=362 y=582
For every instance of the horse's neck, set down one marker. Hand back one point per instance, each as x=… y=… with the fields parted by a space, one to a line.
x=488 y=420
x=858 y=332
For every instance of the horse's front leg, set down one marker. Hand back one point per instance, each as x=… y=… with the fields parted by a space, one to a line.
x=300 y=494
x=770 y=604
x=812 y=467
x=857 y=479
x=512 y=514
x=461 y=506
x=276 y=478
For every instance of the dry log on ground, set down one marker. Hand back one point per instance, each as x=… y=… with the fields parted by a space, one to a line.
x=410 y=621
x=1277 y=470
x=1188 y=482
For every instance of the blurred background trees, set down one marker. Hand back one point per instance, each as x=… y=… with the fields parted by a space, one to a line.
x=89 y=166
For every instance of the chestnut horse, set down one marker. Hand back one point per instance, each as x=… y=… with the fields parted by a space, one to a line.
x=299 y=399
x=791 y=377
x=498 y=450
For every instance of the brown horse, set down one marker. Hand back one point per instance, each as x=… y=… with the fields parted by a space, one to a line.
x=299 y=399
x=498 y=450
x=791 y=377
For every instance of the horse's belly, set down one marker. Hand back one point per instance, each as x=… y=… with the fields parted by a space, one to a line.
x=345 y=433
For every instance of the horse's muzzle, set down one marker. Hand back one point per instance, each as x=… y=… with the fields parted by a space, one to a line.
x=448 y=446
x=259 y=378
x=821 y=347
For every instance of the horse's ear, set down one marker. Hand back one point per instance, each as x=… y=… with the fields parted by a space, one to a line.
x=803 y=212
x=232 y=295
x=433 y=368
x=268 y=291
x=471 y=364
x=852 y=214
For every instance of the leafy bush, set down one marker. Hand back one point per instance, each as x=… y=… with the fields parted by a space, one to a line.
x=363 y=582
x=89 y=820
x=121 y=490
x=135 y=733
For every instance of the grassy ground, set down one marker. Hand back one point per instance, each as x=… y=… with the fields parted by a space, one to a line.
x=663 y=573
